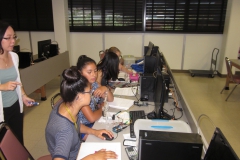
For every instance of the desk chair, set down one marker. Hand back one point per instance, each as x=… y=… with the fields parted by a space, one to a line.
x=232 y=78
x=11 y=148
x=56 y=102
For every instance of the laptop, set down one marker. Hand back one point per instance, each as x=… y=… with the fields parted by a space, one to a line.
x=218 y=149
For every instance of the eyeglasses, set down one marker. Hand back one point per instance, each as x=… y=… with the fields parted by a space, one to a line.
x=9 y=38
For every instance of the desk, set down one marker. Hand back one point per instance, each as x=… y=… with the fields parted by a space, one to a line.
x=120 y=138
x=235 y=63
x=37 y=75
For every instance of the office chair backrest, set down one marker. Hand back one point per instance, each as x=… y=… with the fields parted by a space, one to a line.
x=59 y=101
x=229 y=69
x=10 y=147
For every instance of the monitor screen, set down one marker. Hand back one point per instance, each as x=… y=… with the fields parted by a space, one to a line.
x=159 y=62
x=44 y=48
x=150 y=59
x=160 y=96
x=219 y=148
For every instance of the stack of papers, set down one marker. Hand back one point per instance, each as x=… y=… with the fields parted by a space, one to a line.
x=121 y=103
x=121 y=117
x=130 y=91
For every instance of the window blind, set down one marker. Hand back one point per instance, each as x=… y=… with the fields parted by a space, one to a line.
x=105 y=15
x=193 y=16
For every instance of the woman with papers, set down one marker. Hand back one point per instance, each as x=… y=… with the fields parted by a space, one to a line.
x=63 y=128
x=93 y=111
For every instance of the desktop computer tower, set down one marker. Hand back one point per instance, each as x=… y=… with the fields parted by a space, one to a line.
x=154 y=145
x=25 y=59
x=53 y=50
x=147 y=86
x=150 y=64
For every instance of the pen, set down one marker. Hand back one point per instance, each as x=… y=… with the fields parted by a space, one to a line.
x=118 y=112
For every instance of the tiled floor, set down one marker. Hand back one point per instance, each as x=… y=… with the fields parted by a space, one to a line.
x=203 y=96
x=201 y=93
x=35 y=120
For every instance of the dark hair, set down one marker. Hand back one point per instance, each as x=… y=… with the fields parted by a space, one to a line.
x=83 y=60
x=72 y=84
x=3 y=27
x=109 y=66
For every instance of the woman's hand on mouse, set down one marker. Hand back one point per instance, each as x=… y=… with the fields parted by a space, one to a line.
x=99 y=133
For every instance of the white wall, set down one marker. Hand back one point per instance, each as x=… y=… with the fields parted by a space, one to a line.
x=197 y=54
x=182 y=51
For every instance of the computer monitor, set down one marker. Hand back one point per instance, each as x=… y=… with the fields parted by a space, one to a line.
x=44 y=48
x=219 y=148
x=150 y=59
x=149 y=49
x=159 y=98
x=159 y=62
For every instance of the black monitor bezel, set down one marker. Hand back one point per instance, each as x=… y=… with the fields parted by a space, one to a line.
x=150 y=48
x=159 y=95
x=219 y=148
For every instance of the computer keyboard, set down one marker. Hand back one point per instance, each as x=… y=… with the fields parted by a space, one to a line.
x=134 y=115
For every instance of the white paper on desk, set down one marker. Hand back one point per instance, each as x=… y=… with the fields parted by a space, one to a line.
x=90 y=148
x=129 y=91
x=127 y=136
x=121 y=103
x=122 y=75
x=121 y=117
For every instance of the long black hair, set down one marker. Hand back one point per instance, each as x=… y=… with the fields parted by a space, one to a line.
x=3 y=27
x=83 y=60
x=109 y=66
x=72 y=84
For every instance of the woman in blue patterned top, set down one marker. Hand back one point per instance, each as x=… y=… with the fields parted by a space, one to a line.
x=92 y=112
x=63 y=127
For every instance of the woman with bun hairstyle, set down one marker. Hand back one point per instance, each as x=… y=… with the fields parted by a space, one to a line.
x=63 y=128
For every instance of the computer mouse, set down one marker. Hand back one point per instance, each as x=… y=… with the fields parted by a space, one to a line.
x=107 y=137
x=121 y=79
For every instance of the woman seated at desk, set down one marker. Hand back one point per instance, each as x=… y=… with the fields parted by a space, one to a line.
x=63 y=128
x=118 y=53
x=93 y=111
x=108 y=69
